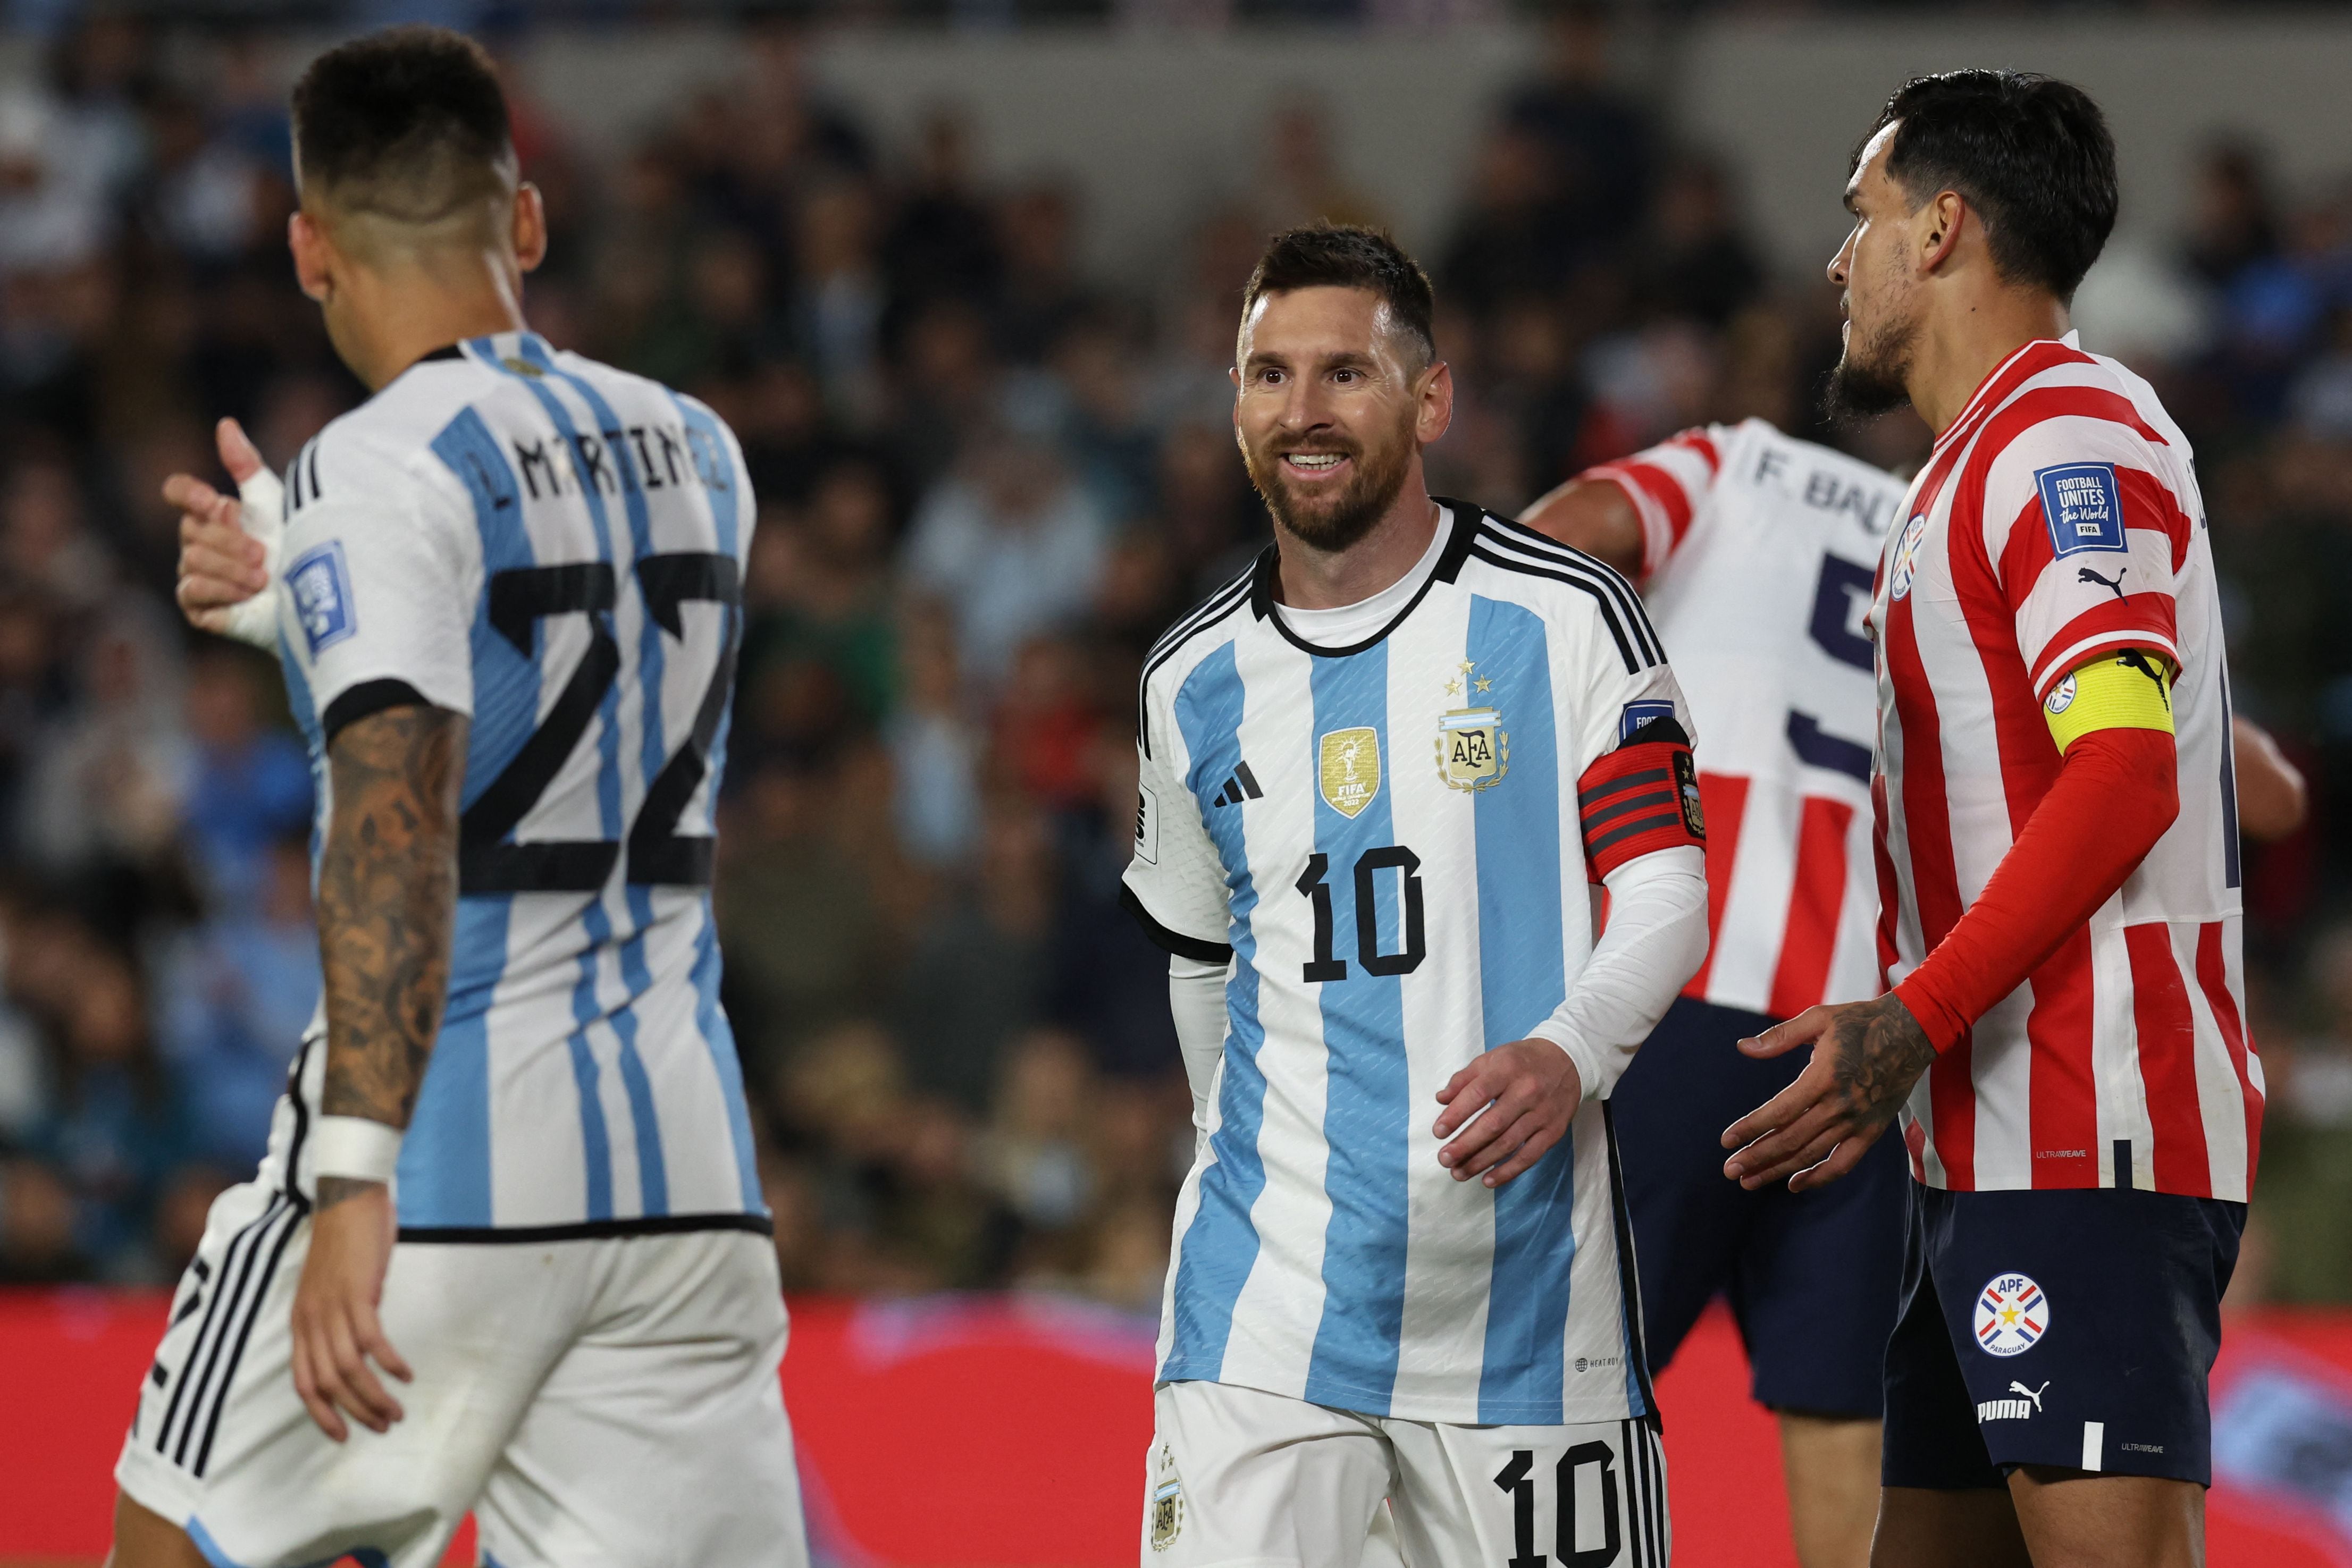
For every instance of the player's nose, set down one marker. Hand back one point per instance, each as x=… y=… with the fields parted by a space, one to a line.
x=1838 y=264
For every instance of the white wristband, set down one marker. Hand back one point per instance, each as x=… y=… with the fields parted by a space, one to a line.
x=354 y=1148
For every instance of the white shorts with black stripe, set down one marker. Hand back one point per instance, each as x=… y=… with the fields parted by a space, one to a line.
x=608 y=1400
x=1236 y=1475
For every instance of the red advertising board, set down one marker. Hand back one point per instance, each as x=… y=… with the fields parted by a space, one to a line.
x=1008 y=1432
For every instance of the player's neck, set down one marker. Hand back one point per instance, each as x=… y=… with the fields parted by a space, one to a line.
x=405 y=316
x=1311 y=578
x=1963 y=346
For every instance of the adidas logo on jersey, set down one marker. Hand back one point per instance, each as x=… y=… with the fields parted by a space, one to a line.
x=1242 y=786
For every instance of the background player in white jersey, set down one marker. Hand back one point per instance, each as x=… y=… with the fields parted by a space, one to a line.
x=1380 y=771
x=2059 y=854
x=506 y=600
x=1754 y=551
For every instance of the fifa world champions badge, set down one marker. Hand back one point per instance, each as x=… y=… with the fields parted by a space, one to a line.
x=1473 y=751
x=1351 y=768
x=2012 y=1315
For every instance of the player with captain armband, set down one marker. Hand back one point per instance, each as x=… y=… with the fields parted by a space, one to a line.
x=1385 y=773
x=2055 y=800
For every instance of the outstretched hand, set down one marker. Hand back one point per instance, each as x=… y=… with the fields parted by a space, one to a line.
x=1866 y=1057
x=222 y=564
x=1523 y=1096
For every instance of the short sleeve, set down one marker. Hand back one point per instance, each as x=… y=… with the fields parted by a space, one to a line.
x=2084 y=538
x=375 y=605
x=1637 y=776
x=1175 y=882
x=1667 y=485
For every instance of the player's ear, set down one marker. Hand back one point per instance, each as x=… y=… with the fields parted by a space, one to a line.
x=1436 y=409
x=529 y=226
x=313 y=255
x=1940 y=222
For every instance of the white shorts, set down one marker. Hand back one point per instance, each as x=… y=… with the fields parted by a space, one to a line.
x=610 y=1401
x=1237 y=1477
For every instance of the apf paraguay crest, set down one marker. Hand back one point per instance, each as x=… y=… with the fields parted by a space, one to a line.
x=1473 y=751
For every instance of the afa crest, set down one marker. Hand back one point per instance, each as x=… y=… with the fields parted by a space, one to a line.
x=1351 y=768
x=1165 y=1507
x=1473 y=751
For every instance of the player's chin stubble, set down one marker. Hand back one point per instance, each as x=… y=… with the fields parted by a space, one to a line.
x=1869 y=378
x=1334 y=526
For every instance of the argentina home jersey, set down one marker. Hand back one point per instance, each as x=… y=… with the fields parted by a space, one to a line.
x=554 y=547
x=1393 y=839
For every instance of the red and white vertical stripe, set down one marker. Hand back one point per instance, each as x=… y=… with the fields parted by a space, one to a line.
x=2124 y=1058
x=1745 y=534
x=1668 y=484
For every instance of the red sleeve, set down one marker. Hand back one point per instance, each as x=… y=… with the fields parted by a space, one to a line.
x=1666 y=484
x=2115 y=793
x=1639 y=798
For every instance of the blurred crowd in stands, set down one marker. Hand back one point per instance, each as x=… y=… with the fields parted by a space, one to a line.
x=988 y=479
x=46 y=15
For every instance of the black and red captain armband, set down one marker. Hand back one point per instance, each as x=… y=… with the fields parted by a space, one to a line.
x=1642 y=797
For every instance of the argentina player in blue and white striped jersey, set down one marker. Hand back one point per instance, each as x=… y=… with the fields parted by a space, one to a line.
x=554 y=547
x=1381 y=774
x=513 y=1169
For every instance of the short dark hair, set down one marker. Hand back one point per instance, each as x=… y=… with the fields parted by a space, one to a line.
x=409 y=122
x=2031 y=154
x=1348 y=255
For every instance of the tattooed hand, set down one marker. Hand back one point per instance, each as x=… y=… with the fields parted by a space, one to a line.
x=1866 y=1057
x=387 y=905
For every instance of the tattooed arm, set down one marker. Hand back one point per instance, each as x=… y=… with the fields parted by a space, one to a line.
x=387 y=906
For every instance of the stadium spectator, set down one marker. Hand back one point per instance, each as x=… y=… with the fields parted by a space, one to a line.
x=248 y=786
x=1010 y=542
x=237 y=992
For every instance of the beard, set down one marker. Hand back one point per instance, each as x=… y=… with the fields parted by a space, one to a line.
x=1870 y=375
x=1334 y=524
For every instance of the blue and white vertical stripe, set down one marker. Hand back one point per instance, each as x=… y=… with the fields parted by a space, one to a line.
x=1321 y=1251
x=585 y=1074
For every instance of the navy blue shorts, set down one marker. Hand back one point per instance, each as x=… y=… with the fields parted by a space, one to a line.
x=2072 y=1328
x=1811 y=1277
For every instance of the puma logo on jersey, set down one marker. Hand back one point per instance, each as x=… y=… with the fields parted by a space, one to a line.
x=2138 y=661
x=2114 y=583
x=2012 y=1409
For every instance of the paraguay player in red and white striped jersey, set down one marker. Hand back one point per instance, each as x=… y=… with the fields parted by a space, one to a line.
x=2058 y=870
x=1754 y=551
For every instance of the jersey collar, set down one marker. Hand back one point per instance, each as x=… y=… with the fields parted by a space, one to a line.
x=1462 y=518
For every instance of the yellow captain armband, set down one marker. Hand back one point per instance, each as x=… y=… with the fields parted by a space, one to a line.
x=2130 y=690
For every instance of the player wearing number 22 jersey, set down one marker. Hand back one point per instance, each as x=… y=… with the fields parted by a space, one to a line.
x=554 y=547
